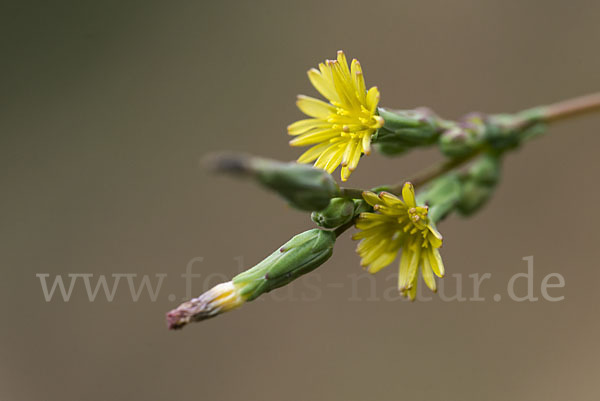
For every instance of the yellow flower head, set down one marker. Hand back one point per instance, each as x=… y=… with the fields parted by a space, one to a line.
x=400 y=225
x=340 y=131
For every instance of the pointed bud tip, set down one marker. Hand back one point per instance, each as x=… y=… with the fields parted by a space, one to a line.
x=227 y=162
x=176 y=319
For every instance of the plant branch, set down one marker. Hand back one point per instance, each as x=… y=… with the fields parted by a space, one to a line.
x=571 y=107
x=559 y=111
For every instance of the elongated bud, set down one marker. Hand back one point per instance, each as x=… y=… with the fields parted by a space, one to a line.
x=303 y=186
x=406 y=129
x=300 y=255
x=462 y=138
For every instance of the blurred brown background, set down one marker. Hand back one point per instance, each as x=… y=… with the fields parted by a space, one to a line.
x=107 y=107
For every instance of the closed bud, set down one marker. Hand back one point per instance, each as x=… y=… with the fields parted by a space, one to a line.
x=442 y=196
x=508 y=131
x=300 y=255
x=339 y=211
x=479 y=183
x=406 y=129
x=486 y=169
x=475 y=195
x=460 y=139
x=303 y=186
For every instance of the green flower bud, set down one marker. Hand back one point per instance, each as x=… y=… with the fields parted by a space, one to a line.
x=486 y=169
x=390 y=148
x=339 y=211
x=506 y=131
x=303 y=186
x=300 y=255
x=405 y=129
x=442 y=196
x=475 y=195
x=479 y=183
x=361 y=206
x=463 y=138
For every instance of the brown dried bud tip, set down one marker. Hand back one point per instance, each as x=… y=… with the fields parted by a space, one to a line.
x=219 y=299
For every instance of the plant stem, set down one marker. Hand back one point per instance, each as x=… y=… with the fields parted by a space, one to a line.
x=435 y=171
x=571 y=107
x=418 y=179
x=558 y=111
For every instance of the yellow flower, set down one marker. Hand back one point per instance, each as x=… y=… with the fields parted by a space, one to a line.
x=340 y=131
x=400 y=225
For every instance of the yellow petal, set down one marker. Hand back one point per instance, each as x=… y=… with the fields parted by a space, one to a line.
x=313 y=153
x=403 y=277
x=372 y=99
x=408 y=194
x=334 y=162
x=323 y=85
x=436 y=261
x=428 y=274
x=314 y=107
x=348 y=152
x=331 y=152
x=343 y=63
x=385 y=259
x=307 y=125
x=411 y=293
x=391 y=200
x=435 y=238
x=366 y=144
x=345 y=174
x=374 y=252
x=371 y=198
x=344 y=87
x=314 y=137
x=355 y=155
x=359 y=81
x=414 y=265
